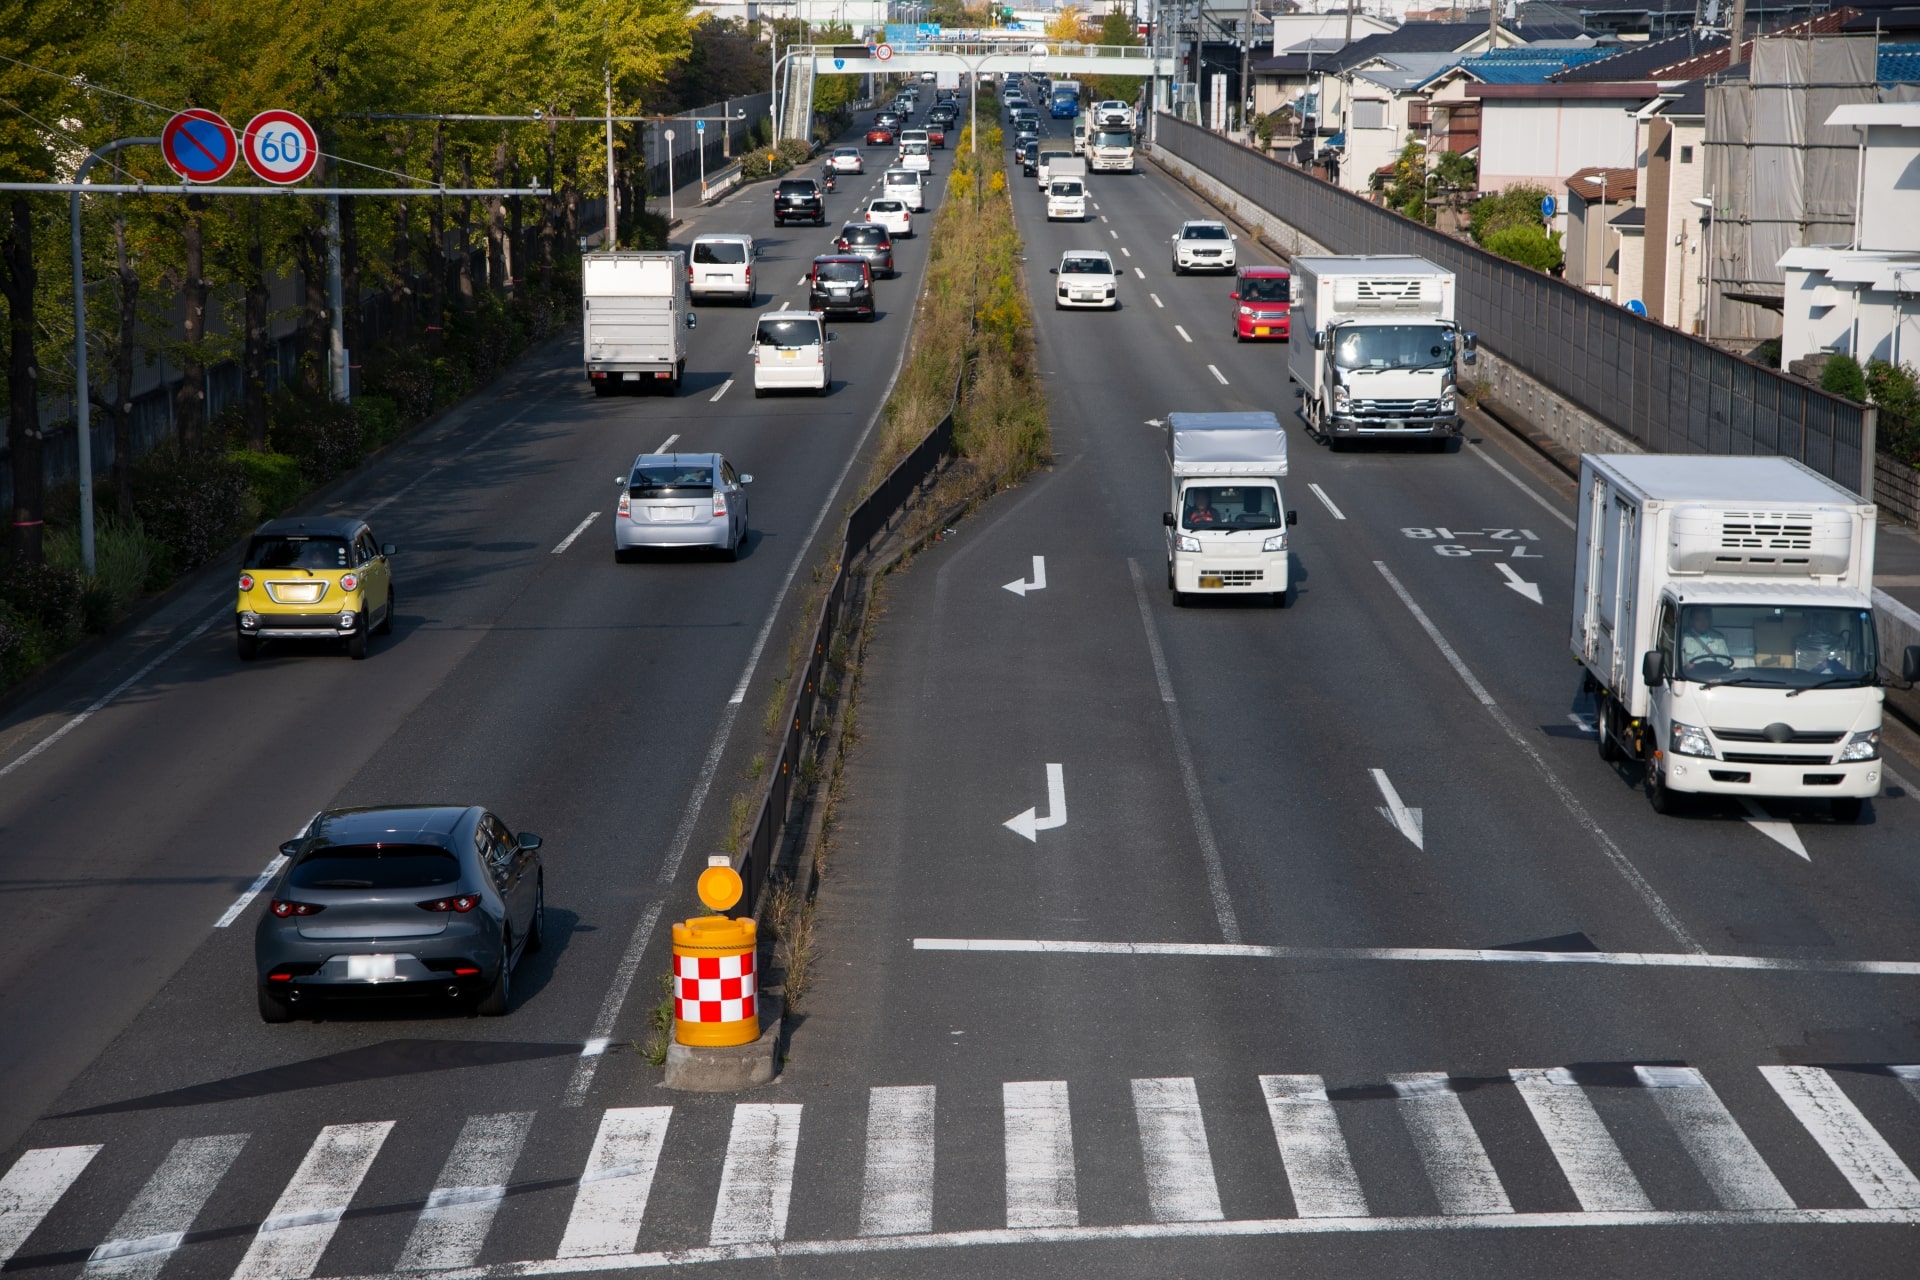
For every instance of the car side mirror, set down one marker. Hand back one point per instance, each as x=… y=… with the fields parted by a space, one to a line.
x=1166 y=518
x=1293 y=517
x=529 y=842
x=1471 y=341
x=1233 y=297
x=746 y=479
x=1319 y=342
x=1910 y=664
x=832 y=337
x=388 y=549
x=291 y=849
x=1233 y=237
x=1471 y=357
x=1053 y=271
x=1653 y=668
x=693 y=321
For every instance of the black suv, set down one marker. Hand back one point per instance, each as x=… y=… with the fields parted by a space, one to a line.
x=871 y=241
x=841 y=284
x=797 y=199
x=1030 y=159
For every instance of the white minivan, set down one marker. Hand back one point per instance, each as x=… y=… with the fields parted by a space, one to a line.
x=790 y=353
x=1067 y=198
x=721 y=266
x=906 y=186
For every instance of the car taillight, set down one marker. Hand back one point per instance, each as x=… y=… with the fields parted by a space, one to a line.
x=284 y=907
x=626 y=504
x=349 y=582
x=719 y=505
x=749 y=274
x=246 y=582
x=463 y=903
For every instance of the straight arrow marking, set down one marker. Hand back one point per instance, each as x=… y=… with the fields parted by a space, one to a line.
x=1028 y=823
x=1530 y=590
x=1781 y=833
x=1407 y=821
x=1020 y=586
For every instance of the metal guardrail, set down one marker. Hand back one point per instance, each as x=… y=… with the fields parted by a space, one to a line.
x=1667 y=391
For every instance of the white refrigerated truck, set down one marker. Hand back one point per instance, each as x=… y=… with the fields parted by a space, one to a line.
x=1722 y=609
x=636 y=312
x=1375 y=348
x=1227 y=531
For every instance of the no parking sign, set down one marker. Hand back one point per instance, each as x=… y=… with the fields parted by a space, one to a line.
x=281 y=147
x=199 y=145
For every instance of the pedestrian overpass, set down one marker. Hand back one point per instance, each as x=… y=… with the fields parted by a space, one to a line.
x=1052 y=58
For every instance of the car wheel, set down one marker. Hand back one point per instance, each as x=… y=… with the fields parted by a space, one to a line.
x=1659 y=795
x=386 y=619
x=357 y=642
x=494 y=1001
x=537 y=931
x=604 y=388
x=1846 y=809
x=1602 y=722
x=731 y=552
x=272 y=1007
x=759 y=393
x=247 y=646
x=822 y=390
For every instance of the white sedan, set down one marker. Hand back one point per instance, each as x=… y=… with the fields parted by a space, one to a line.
x=846 y=160
x=1086 y=278
x=891 y=214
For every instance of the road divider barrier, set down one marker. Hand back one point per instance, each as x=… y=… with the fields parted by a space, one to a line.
x=716 y=994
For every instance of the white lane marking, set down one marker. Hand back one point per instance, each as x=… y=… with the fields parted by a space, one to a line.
x=1126 y=252
x=1312 y=1149
x=595 y=1047
x=612 y=1200
x=1570 y=802
x=1042 y=1190
x=1325 y=501
x=157 y=1221
x=756 y=1182
x=1020 y=586
x=101 y=702
x=1028 y=823
x=577 y=531
x=1138 y=272
x=1781 y=833
x=1173 y=1145
x=1879 y=1177
x=1408 y=822
x=1551 y=507
x=241 y=903
x=583 y=1070
x=1103 y=217
x=897 y=1191
x=1531 y=590
x=1578 y=1138
x=1183 y=333
x=1113 y=233
x=714 y=398
x=785 y=303
x=453 y=1227
x=289 y=1243
x=1219 y=376
x=667 y=443
x=1443 y=955
x=1155 y=297
x=802 y=280
x=1721 y=1151
x=34 y=1185
x=1223 y=911
x=1462 y=1174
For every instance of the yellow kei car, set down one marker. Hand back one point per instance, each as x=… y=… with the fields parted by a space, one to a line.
x=314 y=578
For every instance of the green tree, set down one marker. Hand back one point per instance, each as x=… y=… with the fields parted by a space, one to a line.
x=1896 y=389
x=1844 y=377
x=1517 y=206
x=1530 y=246
x=1116 y=28
x=1406 y=187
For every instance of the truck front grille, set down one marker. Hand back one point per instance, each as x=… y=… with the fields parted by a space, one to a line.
x=1396 y=408
x=1809 y=737
x=1755 y=757
x=1242 y=578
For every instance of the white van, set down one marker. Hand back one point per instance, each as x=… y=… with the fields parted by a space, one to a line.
x=906 y=186
x=1067 y=198
x=721 y=266
x=790 y=353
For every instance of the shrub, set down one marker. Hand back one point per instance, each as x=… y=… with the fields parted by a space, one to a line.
x=793 y=151
x=1530 y=246
x=24 y=648
x=1517 y=206
x=273 y=477
x=321 y=436
x=46 y=595
x=123 y=560
x=1843 y=377
x=192 y=505
x=380 y=422
x=405 y=381
x=1896 y=389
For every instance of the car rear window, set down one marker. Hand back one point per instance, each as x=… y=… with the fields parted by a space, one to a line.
x=375 y=866
x=886 y=206
x=840 y=270
x=865 y=234
x=280 y=552
x=801 y=331
x=721 y=251
x=902 y=178
x=796 y=188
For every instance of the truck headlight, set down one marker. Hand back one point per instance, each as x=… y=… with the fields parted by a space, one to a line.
x=1447 y=403
x=1278 y=542
x=1689 y=741
x=1864 y=745
x=1187 y=542
x=1342 y=398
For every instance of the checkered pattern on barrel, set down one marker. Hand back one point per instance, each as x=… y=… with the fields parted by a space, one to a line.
x=713 y=988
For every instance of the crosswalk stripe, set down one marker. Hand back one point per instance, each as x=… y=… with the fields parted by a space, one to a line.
x=289 y=1243
x=1588 y=1155
x=1720 y=1149
x=897 y=1198
x=160 y=1216
x=1319 y=1167
x=1041 y=1188
x=612 y=1199
x=452 y=1228
x=32 y=1187
x=1856 y=1148
x=1173 y=1142
x=1457 y=1164
x=756 y=1182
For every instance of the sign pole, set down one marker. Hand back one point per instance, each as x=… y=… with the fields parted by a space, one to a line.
x=669 y=136
x=611 y=240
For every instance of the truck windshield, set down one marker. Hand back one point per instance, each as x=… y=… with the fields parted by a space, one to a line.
x=1237 y=506
x=1786 y=647
x=1263 y=289
x=1113 y=138
x=1394 y=346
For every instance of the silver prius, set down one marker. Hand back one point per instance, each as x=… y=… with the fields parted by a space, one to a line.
x=413 y=900
x=680 y=500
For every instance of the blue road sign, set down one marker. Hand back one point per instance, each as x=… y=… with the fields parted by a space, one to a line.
x=699 y=126
x=199 y=145
x=839 y=64
x=1636 y=306
x=1547 y=207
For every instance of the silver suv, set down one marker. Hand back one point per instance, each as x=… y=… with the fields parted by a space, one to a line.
x=1202 y=245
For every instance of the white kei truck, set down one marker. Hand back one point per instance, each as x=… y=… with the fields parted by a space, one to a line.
x=636 y=311
x=1375 y=349
x=1227 y=531
x=1722 y=608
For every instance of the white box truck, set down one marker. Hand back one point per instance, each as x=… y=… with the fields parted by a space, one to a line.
x=1227 y=531
x=636 y=313
x=1722 y=609
x=1375 y=348
x=1110 y=149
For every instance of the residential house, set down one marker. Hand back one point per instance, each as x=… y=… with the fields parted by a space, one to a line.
x=1539 y=131
x=1595 y=197
x=1661 y=243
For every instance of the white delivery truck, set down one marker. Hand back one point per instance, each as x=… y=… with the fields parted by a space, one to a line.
x=636 y=313
x=1722 y=609
x=1110 y=150
x=1375 y=348
x=1227 y=531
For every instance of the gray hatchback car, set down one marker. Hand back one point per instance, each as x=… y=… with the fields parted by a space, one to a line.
x=412 y=900
x=680 y=500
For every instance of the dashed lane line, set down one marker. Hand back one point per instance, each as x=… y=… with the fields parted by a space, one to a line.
x=667 y=443
x=722 y=391
x=577 y=531
x=1138 y=272
x=1156 y=299
x=1218 y=376
x=1326 y=502
x=1126 y=251
x=1182 y=332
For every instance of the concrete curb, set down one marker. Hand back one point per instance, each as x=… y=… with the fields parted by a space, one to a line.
x=729 y=1069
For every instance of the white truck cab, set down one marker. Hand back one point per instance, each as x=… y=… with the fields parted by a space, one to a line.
x=1227 y=530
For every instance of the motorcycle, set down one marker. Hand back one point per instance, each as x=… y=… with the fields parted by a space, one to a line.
x=829 y=182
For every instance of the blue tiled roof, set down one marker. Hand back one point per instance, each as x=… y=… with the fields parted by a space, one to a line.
x=1899 y=63
x=1527 y=65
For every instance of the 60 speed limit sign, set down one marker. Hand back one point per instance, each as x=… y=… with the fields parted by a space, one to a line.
x=281 y=147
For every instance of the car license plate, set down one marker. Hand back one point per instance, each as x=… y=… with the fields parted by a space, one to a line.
x=370 y=969
x=789 y=355
x=672 y=514
x=1208 y=581
x=1261 y=331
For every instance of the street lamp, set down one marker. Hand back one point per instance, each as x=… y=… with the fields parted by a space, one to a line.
x=1705 y=203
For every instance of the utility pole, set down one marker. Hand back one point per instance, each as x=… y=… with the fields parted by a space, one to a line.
x=1493 y=24
x=612 y=240
x=1246 y=73
x=1735 y=25
x=341 y=384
